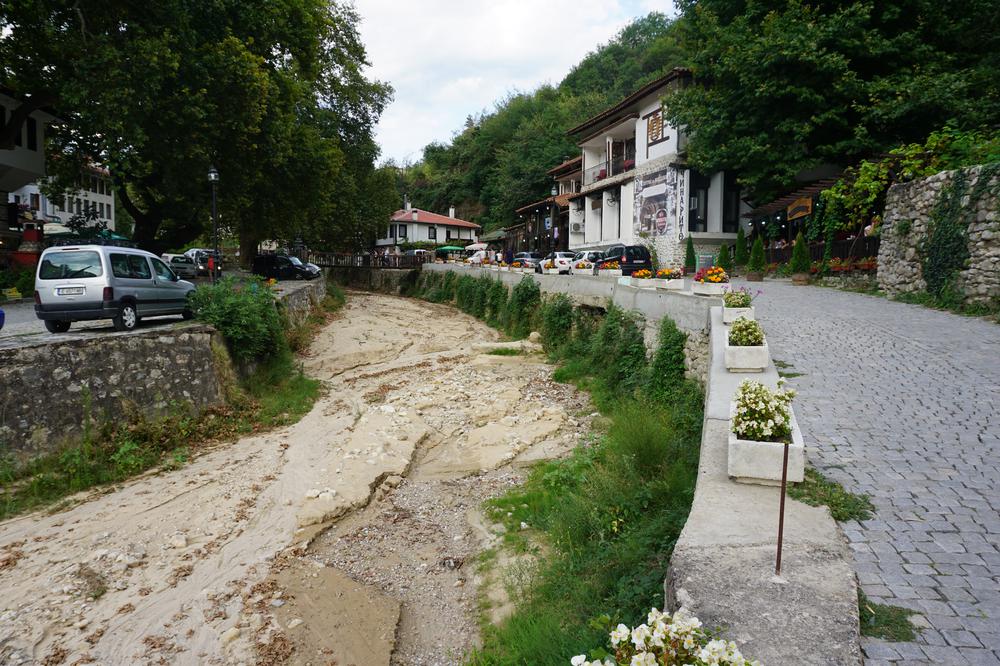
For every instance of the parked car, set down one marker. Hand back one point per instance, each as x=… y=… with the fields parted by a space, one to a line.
x=631 y=258
x=528 y=259
x=415 y=253
x=181 y=264
x=562 y=260
x=478 y=256
x=87 y=282
x=201 y=262
x=592 y=256
x=282 y=267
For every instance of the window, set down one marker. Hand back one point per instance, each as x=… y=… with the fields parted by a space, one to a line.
x=392 y=231
x=131 y=266
x=93 y=184
x=35 y=201
x=32 y=133
x=100 y=209
x=162 y=271
x=401 y=231
x=79 y=207
x=698 y=205
x=432 y=233
x=447 y=233
x=70 y=264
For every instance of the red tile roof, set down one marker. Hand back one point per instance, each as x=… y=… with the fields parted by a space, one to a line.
x=428 y=217
x=573 y=164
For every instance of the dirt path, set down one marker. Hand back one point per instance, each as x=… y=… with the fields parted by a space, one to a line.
x=347 y=538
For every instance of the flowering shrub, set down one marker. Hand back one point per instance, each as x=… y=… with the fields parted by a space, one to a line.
x=739 y=298
x=503 y=264
x=666 y=640
x=583 y=265
x=746 y=333
x=516 y=264
x=712 y=274
x=643 y=274
x=549 y=265
x=867 y=264
x=761 y=414
x=670 y=274
x=840 y=265
x=610 y=266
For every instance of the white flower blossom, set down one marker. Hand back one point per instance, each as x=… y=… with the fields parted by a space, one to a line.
x=619 y=635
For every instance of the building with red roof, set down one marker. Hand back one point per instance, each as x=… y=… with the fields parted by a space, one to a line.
x=414 y=225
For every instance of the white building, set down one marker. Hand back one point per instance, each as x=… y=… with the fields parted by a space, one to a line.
x=637 y=188
x=24 y=163
x=413 y=225
x=96 y=192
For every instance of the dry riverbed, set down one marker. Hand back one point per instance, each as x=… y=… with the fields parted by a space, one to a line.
x=348 y=538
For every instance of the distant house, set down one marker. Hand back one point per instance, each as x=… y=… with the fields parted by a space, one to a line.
x=637 y=187
x=95 y=193
x=413 y=225
x=23 y=163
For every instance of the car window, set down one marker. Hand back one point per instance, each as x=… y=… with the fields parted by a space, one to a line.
x=283 y=261
x=138 y=267
x=295 y=260
x=71 y=264
x=162 y=270
x=180 y=260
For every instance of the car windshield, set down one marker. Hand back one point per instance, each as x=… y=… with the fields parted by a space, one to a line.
x=564 y=255
x=180 y=260
x=70 y=264
x=295 y=260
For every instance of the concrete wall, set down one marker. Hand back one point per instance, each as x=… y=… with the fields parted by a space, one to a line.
x=908 y=211
x=297 y=299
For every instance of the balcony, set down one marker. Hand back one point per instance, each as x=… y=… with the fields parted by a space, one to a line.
x=619 y=165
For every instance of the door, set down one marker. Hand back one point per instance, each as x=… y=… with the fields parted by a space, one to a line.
x=133 y=279
x=171 y=295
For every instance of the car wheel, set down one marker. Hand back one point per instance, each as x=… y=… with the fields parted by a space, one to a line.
x=127 y=318
x=56 y=326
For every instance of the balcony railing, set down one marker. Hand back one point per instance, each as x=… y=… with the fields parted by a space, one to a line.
x=618 y=165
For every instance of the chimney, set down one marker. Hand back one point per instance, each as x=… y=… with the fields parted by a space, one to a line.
x=451 y=211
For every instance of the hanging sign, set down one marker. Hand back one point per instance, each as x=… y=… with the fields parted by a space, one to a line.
x=800 y=208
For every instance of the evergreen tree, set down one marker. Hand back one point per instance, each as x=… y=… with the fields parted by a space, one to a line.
x=740 y=252
x=723 y=261
x=689 y=260
x=756 y=263
x=800 y=255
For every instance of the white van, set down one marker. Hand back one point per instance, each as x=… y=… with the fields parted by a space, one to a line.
x=123 y=284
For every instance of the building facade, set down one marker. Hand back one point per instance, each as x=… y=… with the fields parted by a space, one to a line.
x=413 y=225
x=95 y=193
x=546 y=224
x=636 y=187
x=21 y=164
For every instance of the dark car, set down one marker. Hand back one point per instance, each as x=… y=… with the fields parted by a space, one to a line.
x=630 y=258
x=281 y=267
x=201 y=262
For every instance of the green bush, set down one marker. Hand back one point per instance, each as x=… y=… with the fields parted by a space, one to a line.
x=556 y=323
x=496 y=303
x=618 y=351
x=22 y=279
x=746 y=333
x=666 y=371
x=723 y=261
x=689 y=260
x=245 y=314
x=756 y=263
x=740 y=251
x=800 y=262
x=524 y=301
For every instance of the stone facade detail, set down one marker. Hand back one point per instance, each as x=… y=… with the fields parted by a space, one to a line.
x=908 y=211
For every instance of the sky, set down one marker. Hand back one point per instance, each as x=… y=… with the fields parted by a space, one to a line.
x=448 y=59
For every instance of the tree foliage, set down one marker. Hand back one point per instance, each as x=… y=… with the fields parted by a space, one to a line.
x=273 y=94
x=790 y=86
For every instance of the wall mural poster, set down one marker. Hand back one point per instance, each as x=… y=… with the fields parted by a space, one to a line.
x=656 y=203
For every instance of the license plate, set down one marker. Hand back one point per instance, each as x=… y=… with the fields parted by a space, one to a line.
x=70 y=291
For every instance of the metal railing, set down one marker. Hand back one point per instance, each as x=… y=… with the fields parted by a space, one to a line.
x=852 y=248
x=368 y=260
x=618 y=165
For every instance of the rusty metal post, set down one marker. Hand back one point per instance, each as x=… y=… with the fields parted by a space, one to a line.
x=781 y=510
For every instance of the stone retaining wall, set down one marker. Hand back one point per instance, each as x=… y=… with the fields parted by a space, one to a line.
x=297 y=299
x=908 y=211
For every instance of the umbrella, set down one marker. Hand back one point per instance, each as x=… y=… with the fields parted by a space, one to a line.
x=450 y=248
x=476 y=246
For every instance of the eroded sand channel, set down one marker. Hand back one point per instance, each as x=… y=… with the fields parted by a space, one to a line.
x=346 y=538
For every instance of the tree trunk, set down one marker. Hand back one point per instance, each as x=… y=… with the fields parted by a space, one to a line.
x=248 y=247
x=146 y=224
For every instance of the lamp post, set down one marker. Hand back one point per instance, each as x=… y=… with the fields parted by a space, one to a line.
x=213 y=177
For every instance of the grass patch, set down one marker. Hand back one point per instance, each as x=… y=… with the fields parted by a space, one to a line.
x=506 y=351
x=790 y=375
x=276 y=393
x=817 y=490
x=890 y=623
x=952 y=303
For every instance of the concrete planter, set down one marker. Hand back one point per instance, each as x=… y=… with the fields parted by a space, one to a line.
x=505 y=269
x=605 y=272
x=800 y=279
x=747 y=359
x=648 y=283
x=552 y=271
x=729 y=315
x=755 y=276
x=709 y=288
x=676 y=284
x=756 y=462
x=581 y=271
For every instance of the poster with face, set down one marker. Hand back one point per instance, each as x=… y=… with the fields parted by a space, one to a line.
x=656 y=203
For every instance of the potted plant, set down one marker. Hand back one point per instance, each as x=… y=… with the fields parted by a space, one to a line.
x=612 y=268
x=737 y=303
x=755 y=267
x=517 y=267
x=643 y=279
x=689 y=260
x=504 y=267
x=710 y=281
x=800 y=261
x=746 y=347
x=669 y=278
x=582 y=267
x=762 y=424
x=867 y=264
x=549 y=268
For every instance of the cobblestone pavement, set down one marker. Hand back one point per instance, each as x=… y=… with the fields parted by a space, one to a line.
x=903 y=403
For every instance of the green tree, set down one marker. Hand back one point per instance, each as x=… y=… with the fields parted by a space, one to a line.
x=740 y=251
x=756 y=263
x=800 y=262
x=785 y=87
x=689 y=259
x=723 y=260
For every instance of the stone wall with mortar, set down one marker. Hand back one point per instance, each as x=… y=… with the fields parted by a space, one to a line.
x=908 y=211
x=48 y=391
x=297 y=299
x=382 y=280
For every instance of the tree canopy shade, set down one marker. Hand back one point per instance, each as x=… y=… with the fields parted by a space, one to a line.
x=498 y=161
x=786 y=86
x=272 y=93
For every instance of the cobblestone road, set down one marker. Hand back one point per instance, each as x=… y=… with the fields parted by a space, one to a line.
x=903 y=403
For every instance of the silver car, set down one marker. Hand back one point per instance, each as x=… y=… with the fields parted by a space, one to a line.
x=86 y=282
x=183 y=265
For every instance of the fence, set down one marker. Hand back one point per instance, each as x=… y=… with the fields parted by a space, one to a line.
x=334 y=260
x=856 y=248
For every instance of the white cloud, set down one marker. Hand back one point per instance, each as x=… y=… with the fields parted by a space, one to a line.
x=448 y=59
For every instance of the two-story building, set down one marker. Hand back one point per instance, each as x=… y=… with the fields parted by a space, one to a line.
x=545 y=224
x=95 y=192
x=413 y=225
x=637 y=188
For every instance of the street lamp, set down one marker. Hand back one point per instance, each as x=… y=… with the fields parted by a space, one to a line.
x=213 y=177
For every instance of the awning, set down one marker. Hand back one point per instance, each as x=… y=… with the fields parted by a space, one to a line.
x=476 y=246
x=450 y=248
